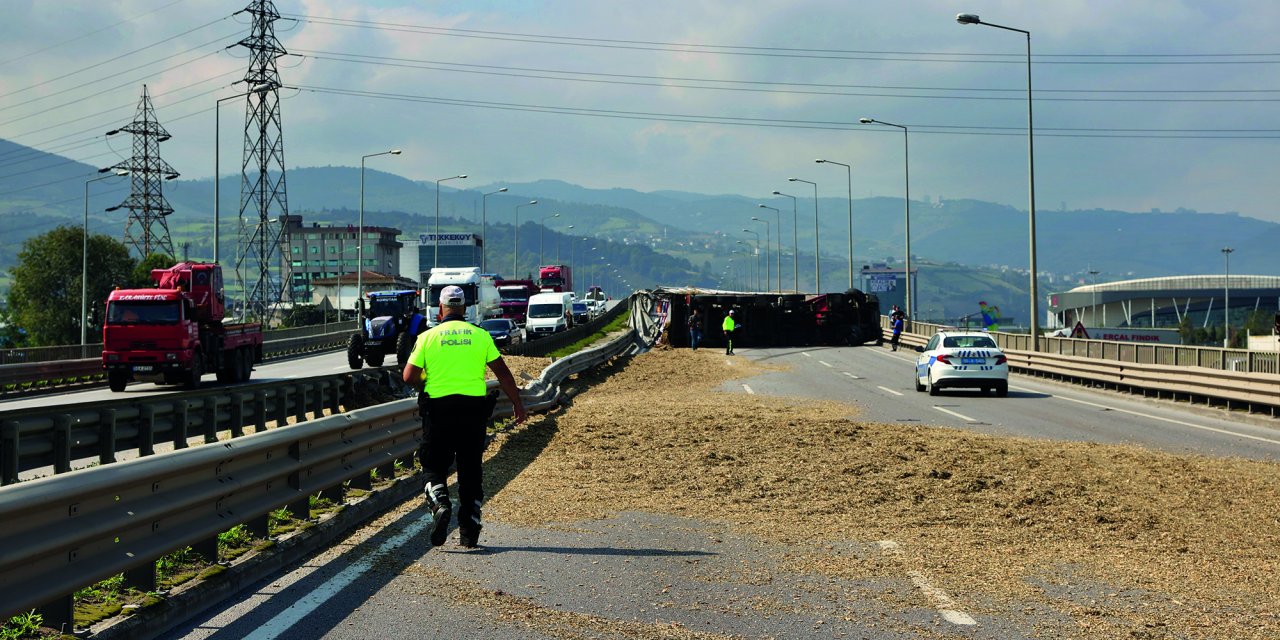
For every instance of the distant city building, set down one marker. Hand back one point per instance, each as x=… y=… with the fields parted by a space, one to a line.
x=339 y=292
x=456 y=250
x=315 y=252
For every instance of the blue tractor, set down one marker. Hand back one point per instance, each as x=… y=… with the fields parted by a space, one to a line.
x=391 y=323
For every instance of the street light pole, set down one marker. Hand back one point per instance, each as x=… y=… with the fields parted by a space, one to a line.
x=1226 y=303
x=436 y=257
x=484 y=226
x=817 y=261
x=906 y=173
x=558 y=236
x=849 y=175
x=360 y=230
x=217 y=126
x=795 y=239
x=768 y=267
x=542 y=235
x=777 y=243
x=515 y=247
x=967 y=18
x=84 y=258
x=1093 y=298
x=758 y=269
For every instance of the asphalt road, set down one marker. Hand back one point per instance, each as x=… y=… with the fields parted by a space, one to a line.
x=637 y=574
x=303 y=366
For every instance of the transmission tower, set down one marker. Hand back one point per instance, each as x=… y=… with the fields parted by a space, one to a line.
x=147 y=230
x=262 y=188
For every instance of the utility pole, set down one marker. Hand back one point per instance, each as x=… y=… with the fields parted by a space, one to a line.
x=263 y=203
x=146 y=230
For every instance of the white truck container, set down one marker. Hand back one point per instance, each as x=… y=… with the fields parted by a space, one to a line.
x=480 y=290
x=549 y=313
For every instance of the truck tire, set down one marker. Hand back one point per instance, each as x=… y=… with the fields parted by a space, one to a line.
x=246 y=363
x=404 y=348
x=117 y=379
x=197 y=371
x=355 y=347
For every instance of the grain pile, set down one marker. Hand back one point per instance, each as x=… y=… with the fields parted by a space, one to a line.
x=1162 y=545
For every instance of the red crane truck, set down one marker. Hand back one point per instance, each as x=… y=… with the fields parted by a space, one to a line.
x=174 y=333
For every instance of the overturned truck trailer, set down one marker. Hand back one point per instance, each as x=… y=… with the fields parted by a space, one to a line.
x=775 y=320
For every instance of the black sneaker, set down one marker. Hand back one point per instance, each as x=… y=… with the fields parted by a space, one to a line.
x=440 y=524
x=469 y=539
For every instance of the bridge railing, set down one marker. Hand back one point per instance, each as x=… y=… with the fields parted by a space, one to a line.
x=71 y=530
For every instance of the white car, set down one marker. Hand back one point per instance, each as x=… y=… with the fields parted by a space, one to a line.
x=954 y=359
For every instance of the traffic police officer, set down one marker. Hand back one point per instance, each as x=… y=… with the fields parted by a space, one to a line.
x=448 y=364
x=728 y=326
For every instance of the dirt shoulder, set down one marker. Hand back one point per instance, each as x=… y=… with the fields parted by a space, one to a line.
x=1128 y=542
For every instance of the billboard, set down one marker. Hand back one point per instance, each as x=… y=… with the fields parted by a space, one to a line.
x=882 y=282
x=448 y=239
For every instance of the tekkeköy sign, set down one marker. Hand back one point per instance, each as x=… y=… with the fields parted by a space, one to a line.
x=448 y=239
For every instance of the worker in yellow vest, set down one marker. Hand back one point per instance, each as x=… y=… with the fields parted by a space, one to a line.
x=729 y=326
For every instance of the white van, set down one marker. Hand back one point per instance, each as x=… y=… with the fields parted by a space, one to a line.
x=549 y=313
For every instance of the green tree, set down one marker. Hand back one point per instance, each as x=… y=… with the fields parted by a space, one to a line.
x=44 y=298
x=140 y=277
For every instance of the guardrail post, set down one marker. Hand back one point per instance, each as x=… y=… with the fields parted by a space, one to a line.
x=237 y=414
x=8 y=453
x=300 y=403
x=363 y=481
x=335 y=493
x=146 y=430
x=209 y=416
x=317 y=409
x=59 y=613
x=259 y=411
x=335 y=393
x=348 y=392
x=62 y=443
x=107 y=436
x=301 y=506
x=282 y=406
x=207 y=548
x=259 y=526
x=178 y=426
x=142 y=578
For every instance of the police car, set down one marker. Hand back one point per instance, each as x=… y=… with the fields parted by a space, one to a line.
x=969 y=359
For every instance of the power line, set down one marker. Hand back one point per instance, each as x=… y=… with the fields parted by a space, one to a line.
x=110 y=60
x=667 y=84
x=725 y=120
x=86 y=35
x=783 y=52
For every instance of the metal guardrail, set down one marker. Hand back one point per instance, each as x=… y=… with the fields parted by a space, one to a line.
x=72 y=530
x=23 y=377
x=544 y=346
x=58 y=437
x=26 y=355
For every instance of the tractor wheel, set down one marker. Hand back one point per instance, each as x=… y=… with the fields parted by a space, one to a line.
x=355 y=349
x=404 y=348
x=375 y=359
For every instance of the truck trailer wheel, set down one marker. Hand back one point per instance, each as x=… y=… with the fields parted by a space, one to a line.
x=117 y=379
x=355 y=345
x=229 y=372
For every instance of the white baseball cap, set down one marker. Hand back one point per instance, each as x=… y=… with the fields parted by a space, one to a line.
x=453 y=296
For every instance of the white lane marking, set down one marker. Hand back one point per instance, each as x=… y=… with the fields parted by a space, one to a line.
x=888 y=354
x=1152 y=417
x=851 y=375
x=285 y=620
x=961 y=416
x=944 y=604
x=748 y=390
x=806 y=354
x=824 y=363
x=896 y=393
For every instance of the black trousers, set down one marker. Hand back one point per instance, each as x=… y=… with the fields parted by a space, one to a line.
x=454 y=430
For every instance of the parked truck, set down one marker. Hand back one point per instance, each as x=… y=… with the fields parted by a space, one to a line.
x=480 y=290
x=175 y=332
x=390 y=323
x=555 y=277
x=514 y=299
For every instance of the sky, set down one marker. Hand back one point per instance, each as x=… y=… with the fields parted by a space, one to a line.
x=1139 y=104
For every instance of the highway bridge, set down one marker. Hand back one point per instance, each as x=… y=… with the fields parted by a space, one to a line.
x=369 y=570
